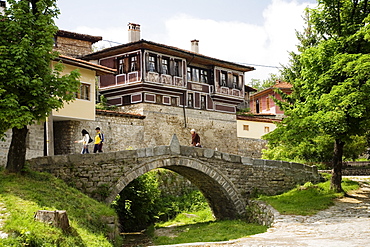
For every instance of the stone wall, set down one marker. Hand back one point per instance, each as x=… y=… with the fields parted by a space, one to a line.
x=251 y=147
x=261 y=213
x=72 y=47
x=34 y=143
x=217 y=130
x=351 y=171
x=120 y=133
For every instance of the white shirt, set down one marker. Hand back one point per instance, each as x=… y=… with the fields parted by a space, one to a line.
x=85 y=139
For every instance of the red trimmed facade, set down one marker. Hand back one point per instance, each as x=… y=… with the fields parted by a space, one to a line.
x=149 y=72
x=262 y=102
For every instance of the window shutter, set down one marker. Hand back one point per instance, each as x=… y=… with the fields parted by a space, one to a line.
x=172 y=67
x=127 y=64
x=218 y=77
x=159 y=65
x=147 y=62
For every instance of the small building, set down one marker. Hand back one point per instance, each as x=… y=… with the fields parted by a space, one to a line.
x=262 y=102
x=264 y=112
x=41 y=137
x=254 y=127
x=72 y=45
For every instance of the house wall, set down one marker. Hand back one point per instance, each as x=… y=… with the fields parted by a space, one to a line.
x=79 y=108
x=72 y=47
x=266 y=103
x=255 y=129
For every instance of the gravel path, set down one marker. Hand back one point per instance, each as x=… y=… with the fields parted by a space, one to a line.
x=347 y=223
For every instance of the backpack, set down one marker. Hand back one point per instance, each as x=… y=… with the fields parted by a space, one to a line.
x=101 y=136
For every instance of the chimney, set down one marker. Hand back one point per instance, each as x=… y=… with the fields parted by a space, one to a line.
x=195 y=45
x=2 y=6
x=133 y=32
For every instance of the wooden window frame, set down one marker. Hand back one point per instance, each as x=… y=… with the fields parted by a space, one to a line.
x=165 y=63
x=223 y=79
x=121 y=65
x=84 y=92
x=152 y=63
x=134 y=63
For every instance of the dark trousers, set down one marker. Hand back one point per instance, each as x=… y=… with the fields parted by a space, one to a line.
x=98 y=148
x=85 y=150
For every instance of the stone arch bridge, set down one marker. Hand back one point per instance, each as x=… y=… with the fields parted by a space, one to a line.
x=225 y=180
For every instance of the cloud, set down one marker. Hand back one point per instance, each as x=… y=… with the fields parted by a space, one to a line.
x=264 y=44
x=267 y=44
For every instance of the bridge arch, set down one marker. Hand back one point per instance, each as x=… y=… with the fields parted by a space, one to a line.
x=221 y=194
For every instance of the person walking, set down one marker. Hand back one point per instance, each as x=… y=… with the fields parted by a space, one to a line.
x=84 y=141
x=195 y=139
x=99 y=139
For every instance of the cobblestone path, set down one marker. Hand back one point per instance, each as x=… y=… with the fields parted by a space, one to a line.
x=346 y=224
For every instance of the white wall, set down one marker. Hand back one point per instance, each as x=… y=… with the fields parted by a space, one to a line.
x=255 y=129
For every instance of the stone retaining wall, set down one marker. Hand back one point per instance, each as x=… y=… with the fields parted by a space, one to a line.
x=34 y=143
x=250 y=147
x=351 y=171
x=261 y=213
x=217 y=131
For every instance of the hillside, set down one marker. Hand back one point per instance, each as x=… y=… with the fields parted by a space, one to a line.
x=22 y=195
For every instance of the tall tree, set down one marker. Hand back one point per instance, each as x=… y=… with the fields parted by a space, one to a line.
x=29 y=87
x=263 y=84
x=331 y=81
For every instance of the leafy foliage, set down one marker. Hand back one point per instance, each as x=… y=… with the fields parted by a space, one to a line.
x=263 y=84
x=103 y=104
x=318 y=149
x=156 y=196
x=30 y=88
x=331 y=84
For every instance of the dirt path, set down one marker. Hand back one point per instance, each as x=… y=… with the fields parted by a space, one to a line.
x=3 y=214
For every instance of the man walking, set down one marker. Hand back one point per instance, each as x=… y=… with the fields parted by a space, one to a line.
x=99 y=139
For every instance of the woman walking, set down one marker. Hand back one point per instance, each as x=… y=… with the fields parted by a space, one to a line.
x=84 y=141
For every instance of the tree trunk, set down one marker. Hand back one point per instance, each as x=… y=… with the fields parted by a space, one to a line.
x=17 y=150
x=336 y=179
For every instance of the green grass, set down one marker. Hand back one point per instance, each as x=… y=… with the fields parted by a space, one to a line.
x=308 y=199
x=189 y=218
x=211 y=232
x=201 y=227
x=24 y=194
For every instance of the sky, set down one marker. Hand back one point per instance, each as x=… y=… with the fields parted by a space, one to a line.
x=258 y=33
